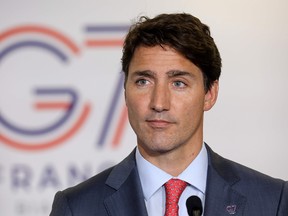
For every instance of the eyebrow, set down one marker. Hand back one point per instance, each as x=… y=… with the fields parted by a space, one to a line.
x=145 y=73
x=171 y=73
x=175 y=73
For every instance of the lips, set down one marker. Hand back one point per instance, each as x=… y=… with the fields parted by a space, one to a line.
x=158 y=123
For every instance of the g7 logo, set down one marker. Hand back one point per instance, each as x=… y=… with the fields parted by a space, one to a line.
x=61 y=48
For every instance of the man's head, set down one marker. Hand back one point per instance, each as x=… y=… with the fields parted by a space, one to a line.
x=182 y=32
x=171 y=67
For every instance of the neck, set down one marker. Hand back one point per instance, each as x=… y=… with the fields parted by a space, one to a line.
x=175 y=161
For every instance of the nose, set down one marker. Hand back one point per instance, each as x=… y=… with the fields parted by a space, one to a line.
x=160 y=98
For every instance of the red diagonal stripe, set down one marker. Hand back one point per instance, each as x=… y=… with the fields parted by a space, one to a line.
x=52 y=105
x=103 y=43
x=120 y=127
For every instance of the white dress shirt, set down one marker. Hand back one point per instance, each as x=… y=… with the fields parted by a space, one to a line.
x=153 y=179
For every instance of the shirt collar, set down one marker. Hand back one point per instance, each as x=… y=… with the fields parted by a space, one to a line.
x=152 y=178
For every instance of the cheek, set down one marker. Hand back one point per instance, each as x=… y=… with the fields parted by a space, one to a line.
x=187 y=114
x=190 y=110
x=135 y=106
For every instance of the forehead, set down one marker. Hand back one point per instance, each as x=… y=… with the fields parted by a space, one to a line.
x=160 y=59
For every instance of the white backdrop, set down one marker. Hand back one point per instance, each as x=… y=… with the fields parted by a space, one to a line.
x=42 y=74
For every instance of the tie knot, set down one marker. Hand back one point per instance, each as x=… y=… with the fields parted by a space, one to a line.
x=175 y=185
x=173 y=189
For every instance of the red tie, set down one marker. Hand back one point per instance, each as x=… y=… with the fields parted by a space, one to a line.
x=173 y=189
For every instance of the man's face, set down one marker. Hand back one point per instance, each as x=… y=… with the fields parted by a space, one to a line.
x=166 y=99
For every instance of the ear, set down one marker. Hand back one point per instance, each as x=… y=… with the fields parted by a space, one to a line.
x=211 y=96
x=125 y=95
x=124 y=86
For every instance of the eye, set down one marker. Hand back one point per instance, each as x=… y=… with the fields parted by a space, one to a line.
x=142 y=82
x=179 y=84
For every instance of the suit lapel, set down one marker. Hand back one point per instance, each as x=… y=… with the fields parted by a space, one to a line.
x=221 y=198
x=128 y=199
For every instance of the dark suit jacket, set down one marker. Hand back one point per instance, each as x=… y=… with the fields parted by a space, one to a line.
x=232 y=189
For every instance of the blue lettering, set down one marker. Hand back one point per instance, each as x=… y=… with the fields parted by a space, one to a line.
x=76 y=176
x=49 y=178
x=21 y=176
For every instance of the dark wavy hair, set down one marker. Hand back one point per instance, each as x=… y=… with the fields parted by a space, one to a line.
x=184 y=33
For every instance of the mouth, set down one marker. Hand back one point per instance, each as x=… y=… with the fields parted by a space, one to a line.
x=159 y=123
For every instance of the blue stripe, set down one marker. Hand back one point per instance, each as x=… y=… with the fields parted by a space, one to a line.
x=110 y=114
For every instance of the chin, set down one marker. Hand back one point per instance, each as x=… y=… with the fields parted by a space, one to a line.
x=161 y=148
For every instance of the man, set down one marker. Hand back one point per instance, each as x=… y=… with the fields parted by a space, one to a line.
x=172 y=67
